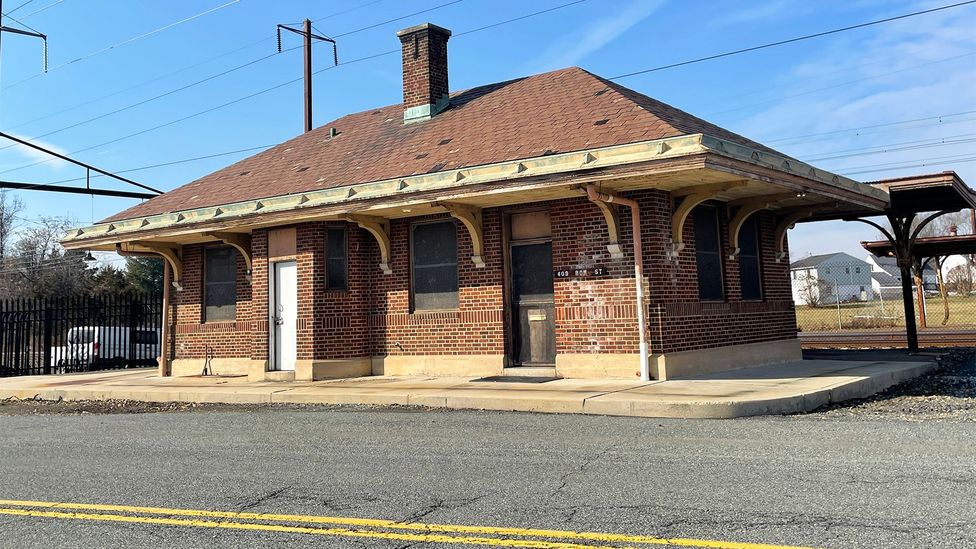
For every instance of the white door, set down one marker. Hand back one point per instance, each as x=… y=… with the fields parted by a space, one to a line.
x=284 y=315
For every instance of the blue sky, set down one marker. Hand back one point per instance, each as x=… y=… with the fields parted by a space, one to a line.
x=827 y=101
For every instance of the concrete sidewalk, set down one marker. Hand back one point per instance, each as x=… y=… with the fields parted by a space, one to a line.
x=776 y=389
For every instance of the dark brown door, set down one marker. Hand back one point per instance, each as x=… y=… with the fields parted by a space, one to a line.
x=532 y=304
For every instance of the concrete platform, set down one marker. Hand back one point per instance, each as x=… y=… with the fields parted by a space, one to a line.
x=792 y=387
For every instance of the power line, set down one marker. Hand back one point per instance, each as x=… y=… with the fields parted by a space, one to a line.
x=896 y=147
x=156 y=97
x=39 y=10
x=215 y=76
x=514 y=19
x=21 y=23
x=860 y=152
x=948 y=158
x=129 y=41
x=180 y=70
x=267 y=90
x=939 y=118
x=790 y=40
x=842 y=84
x=17 y=8
x=170 y=163
x=921 y=164
x=388 y=21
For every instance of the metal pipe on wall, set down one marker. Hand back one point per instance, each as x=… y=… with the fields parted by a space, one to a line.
x=594 y=195
x=164 y=330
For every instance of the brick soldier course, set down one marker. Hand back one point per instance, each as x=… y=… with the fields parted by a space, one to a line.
x=479 y=159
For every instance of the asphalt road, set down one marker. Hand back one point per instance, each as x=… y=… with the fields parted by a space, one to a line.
x=816 y=480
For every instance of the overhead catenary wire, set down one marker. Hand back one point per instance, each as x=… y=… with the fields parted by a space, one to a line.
x=908 y=164
x=39 y=10
x=896 y=147
x=128 y=41
x=18 y=7
x=270 y=89
x=21 y=23
x=214 y=77
x=938 y=117
x=181 y=69
x=790 y=40
x=842 y=84
x=569 y=4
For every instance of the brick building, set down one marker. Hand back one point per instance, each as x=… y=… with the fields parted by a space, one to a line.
x=482 y=232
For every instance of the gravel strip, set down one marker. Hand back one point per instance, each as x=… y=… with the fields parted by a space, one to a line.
x=948 y=393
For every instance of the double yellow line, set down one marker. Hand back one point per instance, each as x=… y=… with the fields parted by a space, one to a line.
x=527 y=538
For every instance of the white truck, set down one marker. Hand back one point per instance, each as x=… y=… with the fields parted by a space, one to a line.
x=106 y=346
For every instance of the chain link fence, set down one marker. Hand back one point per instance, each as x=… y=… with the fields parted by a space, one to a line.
x=837 y=292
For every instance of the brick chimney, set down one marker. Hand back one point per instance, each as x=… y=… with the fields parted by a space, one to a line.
x=425 y=89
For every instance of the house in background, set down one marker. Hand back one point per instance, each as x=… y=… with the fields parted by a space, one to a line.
x=829 y=278
x=886 y=277
x=558 y=225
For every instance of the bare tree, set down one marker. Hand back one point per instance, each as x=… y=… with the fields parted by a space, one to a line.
x=37 y=265
x=942 y=226
x=812 y=289
x=10 y=207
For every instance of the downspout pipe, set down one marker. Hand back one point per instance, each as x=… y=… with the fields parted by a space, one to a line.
x=164 y=369
x=596 y=196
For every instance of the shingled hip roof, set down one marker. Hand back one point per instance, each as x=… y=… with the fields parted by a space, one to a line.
x=556 y=112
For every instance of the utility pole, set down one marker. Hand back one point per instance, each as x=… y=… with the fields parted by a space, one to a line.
x=306 y=33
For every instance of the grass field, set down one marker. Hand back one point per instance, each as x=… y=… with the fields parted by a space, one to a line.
x=869 y=314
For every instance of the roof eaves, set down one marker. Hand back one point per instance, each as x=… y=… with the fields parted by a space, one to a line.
x=615 y=155
x=555 y=164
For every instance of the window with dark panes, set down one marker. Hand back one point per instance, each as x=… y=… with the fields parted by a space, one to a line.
x=220 y=284
x=335 y=258
x=434 y=258
x=708 y=254
x=750 y=271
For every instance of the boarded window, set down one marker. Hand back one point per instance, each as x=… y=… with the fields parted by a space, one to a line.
x=434 y=259
x=220 y=284
x=335 y=259
x=708 y=254
x=750 y=270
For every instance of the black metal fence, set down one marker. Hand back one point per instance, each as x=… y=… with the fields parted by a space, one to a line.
x=62 y=335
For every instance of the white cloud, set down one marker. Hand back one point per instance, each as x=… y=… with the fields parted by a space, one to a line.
x=764 y=11
x=576 y=46
x=899 y=71
x=19 y=153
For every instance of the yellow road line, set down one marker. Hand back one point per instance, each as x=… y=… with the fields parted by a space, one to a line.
x=339 y=532
x=384 y=524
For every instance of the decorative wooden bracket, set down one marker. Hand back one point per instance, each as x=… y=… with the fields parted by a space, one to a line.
x=784 y=225
x=613 y=228
x=380 y=229
x=693 y=196
x=171 y=254
x=240 y=242
x=748 y=207
x=471 y=217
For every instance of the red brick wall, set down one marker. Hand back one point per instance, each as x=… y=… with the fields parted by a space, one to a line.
x=424 y=55
x=333 y=323
x=193 y=334
x=678 y=320
x=593 y=315
x=476 y=327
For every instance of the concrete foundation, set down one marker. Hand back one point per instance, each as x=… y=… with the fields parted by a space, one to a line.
x=311 y=370
x=719 y=359
x=598 y=366
x=438 y=365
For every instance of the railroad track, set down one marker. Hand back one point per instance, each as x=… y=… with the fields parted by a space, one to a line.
x=886 y=339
